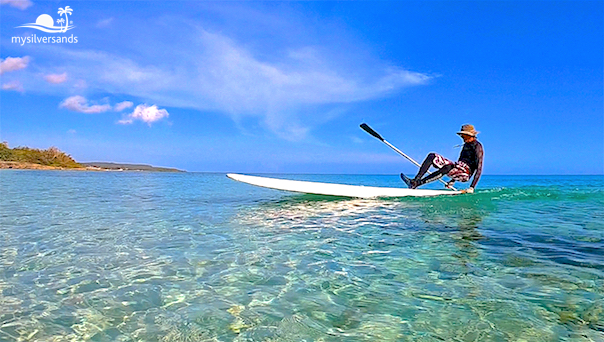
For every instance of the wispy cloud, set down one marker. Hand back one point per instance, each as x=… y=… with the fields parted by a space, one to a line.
x=80 y=104
x=56 y=78
x=288 y=90
x=13 y=64
x=80 y=85
x=104 y=23
x=13 y=85
x=148 y=114
x=214 y=72
x=20 y=4
x=122 y=105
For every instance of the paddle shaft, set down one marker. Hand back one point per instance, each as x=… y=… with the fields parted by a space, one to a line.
x=401 y=153
x=369 y=130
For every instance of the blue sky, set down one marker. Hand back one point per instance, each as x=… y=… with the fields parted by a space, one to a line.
x=283 y=86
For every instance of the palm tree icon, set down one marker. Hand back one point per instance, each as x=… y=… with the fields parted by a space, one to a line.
x=65 y=11
x=61 y=21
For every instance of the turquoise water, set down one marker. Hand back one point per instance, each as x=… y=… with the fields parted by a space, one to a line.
x=110 y=256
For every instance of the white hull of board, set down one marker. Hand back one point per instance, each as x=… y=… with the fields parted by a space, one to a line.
x=331 y=189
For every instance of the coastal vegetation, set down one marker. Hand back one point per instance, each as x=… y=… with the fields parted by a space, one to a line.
x=49 y=157
x=55 y=159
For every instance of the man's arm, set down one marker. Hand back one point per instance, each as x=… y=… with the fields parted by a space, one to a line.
x=478 y=173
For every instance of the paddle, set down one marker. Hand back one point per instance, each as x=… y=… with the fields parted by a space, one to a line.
x=370 y=130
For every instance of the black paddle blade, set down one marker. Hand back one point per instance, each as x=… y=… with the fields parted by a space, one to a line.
x=369 y=130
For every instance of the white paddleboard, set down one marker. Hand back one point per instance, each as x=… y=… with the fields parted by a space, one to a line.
x=332 y=189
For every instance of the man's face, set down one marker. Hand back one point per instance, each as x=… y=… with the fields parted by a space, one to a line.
x=467 y=138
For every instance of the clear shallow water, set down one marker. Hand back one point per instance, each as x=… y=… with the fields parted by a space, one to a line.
x=198 y=257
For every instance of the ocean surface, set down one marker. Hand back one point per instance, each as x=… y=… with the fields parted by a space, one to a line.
x=119 y=256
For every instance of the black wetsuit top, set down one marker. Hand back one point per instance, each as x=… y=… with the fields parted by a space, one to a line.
x=472 y=154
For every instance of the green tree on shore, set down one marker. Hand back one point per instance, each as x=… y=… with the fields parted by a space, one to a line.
x=51 y=157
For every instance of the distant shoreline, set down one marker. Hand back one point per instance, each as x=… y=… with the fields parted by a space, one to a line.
x=127 y=167
x=96 y=166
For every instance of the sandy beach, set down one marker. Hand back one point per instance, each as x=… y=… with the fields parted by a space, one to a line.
x=32 y=166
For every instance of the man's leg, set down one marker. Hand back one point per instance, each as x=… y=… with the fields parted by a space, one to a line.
x=435 y=175
x=425 y=167
x=442 y=164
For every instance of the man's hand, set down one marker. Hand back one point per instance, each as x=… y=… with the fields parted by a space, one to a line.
x=468 y=191
x=450 y=184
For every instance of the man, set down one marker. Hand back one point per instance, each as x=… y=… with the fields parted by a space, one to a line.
x=469 y=163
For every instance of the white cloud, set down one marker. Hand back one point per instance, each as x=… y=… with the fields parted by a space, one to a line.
x=20 y=4
x=122 y=105
x=146 y=114
x=80 y=84
x=104 y=23
x=14 y=86
x=357 y=140
x=56 y=78
x=80 y=104
x=13 y=64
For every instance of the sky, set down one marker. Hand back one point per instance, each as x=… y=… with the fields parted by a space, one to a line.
x=282 y=87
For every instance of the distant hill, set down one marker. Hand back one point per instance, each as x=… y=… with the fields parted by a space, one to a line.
x=128 y=167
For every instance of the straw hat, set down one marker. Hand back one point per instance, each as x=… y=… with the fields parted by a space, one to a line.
x=468 y=130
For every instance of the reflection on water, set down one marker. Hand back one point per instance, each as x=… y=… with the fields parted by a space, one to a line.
x=93 y=257
x=426 y=264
